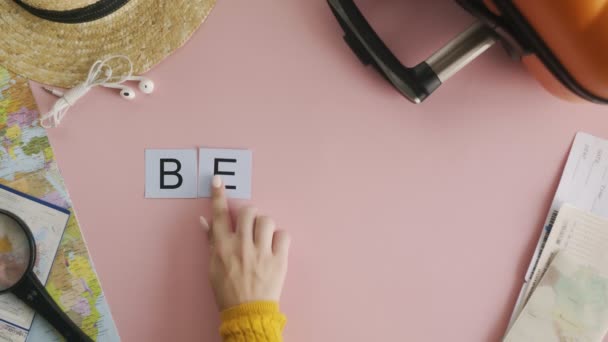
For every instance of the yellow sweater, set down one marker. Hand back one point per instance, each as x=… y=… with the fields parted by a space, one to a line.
x=253 y=322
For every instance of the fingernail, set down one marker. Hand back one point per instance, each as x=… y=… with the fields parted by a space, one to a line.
x=204 y=223
x=217 y=181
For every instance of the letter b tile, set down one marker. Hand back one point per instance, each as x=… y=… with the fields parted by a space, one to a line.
x=171 y=173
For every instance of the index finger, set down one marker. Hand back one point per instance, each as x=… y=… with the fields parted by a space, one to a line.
x=221 y=225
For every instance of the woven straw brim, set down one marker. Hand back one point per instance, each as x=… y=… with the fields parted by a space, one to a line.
x=60 y=54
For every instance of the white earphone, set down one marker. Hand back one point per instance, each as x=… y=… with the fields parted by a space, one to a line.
x=100 y=74
x=145 y=85
x=127 y=93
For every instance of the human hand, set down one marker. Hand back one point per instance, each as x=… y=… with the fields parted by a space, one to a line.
x=248 y=263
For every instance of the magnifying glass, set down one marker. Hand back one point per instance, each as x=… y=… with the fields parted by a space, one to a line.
x=17 y=257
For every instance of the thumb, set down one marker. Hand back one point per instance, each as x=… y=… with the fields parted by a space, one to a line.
x=206 y=229
x=204 y=224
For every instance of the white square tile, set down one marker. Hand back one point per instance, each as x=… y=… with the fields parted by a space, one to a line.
x=234 y=166
x=171 y=174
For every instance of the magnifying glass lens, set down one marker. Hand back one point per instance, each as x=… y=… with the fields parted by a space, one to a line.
x=15 y=252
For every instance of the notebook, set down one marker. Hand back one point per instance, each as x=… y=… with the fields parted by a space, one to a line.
x=570 y=303
x=567 y=299
x=582 y=234
x=584 y=184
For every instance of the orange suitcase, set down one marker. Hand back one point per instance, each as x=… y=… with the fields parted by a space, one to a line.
x=563 y=43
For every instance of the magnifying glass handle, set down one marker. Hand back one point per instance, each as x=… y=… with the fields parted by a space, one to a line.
x=33 y=293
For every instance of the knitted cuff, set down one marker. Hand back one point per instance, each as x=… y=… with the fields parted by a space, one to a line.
x=256 y=321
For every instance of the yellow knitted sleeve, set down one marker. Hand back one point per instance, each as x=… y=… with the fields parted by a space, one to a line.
x=253 y=322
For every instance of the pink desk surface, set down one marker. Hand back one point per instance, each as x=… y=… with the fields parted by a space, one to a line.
x=410 y=223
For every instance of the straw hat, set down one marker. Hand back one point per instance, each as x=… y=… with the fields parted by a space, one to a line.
x=56 y=41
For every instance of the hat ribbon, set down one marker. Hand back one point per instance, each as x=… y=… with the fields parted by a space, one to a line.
x=94 y=11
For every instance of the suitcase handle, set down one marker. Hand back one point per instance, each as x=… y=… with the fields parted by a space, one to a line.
x=418 y=82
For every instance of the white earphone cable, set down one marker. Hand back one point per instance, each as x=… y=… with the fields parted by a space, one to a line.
x=100 y=74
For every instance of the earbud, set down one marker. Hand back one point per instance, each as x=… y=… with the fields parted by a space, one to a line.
x=126 y=92
x=145 y=84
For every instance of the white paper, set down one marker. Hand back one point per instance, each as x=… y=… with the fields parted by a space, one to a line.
x=577 y=232
x=569 y=303
x=47 y=225
x=179 y=179
x=234 y=166
x=583 y=184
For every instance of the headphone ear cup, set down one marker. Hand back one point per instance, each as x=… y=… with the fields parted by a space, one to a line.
x=127 y=93
x=146 y=86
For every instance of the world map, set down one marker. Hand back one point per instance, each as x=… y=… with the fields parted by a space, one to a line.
x=27 y=164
